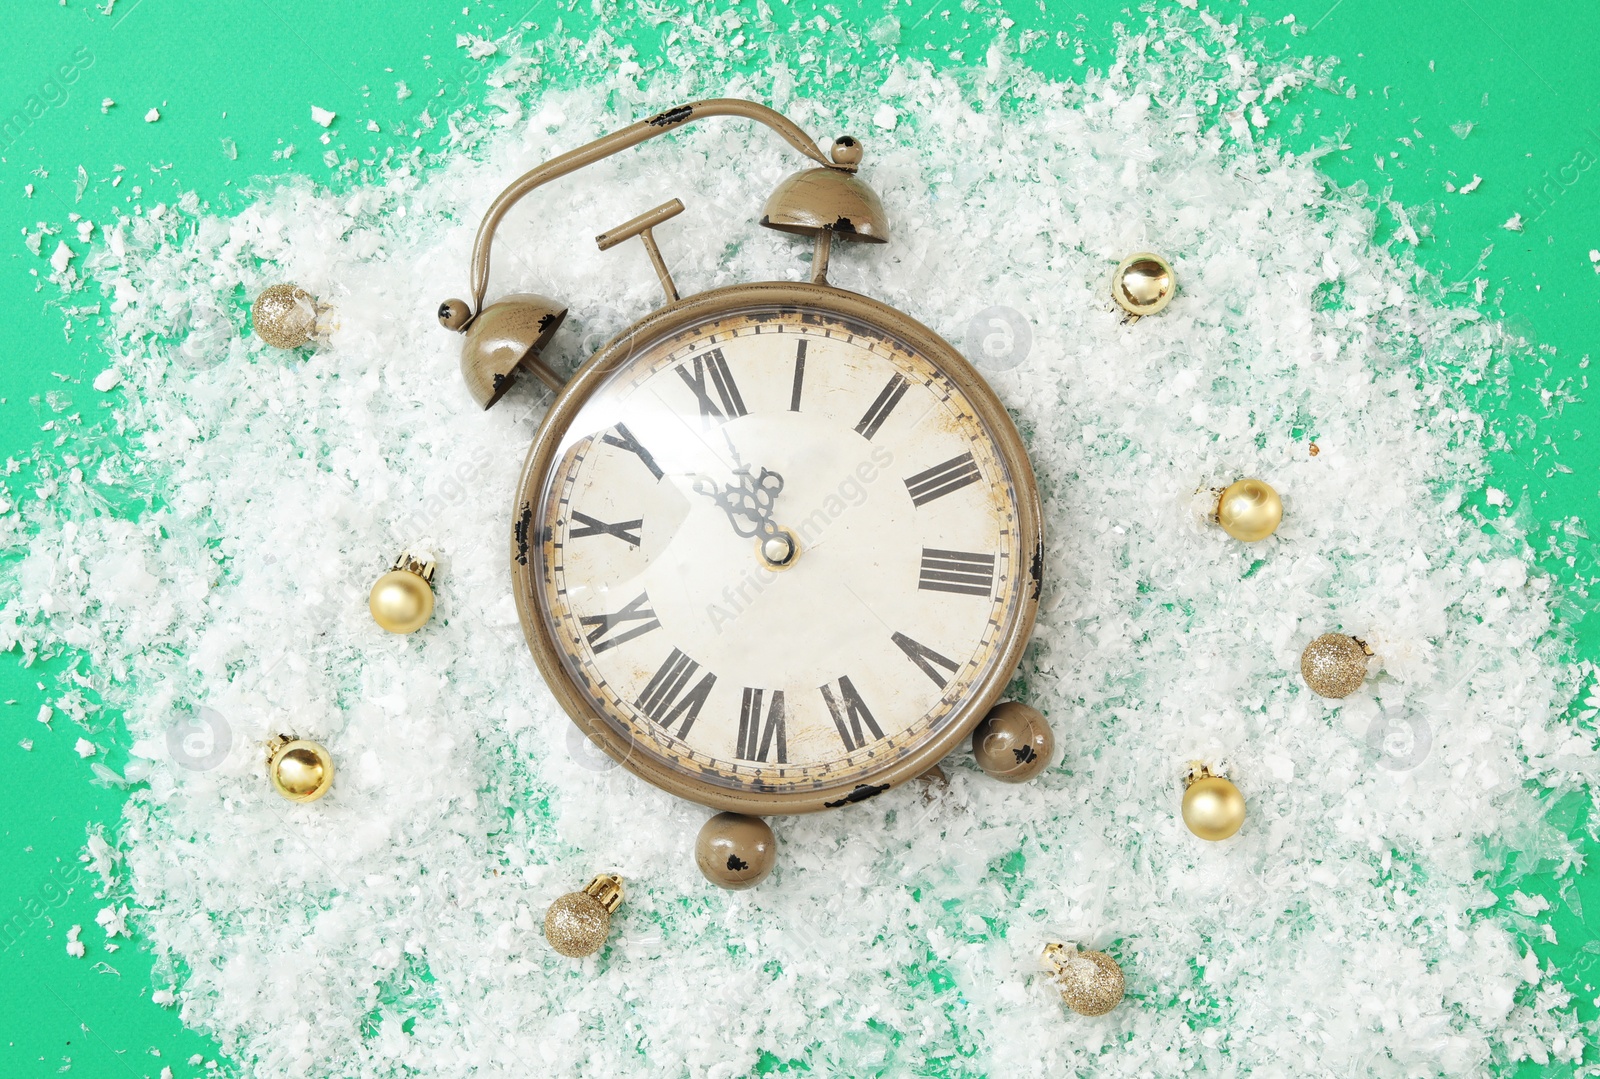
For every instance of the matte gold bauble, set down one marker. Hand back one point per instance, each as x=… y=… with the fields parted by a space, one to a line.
x=578 y=923
x=1249 y=510
x=1143 y=284
x=285 y=316
x=1213 y=808
x=402 y=600
x=1090 y=983
x=300 y=770
x=1334 y=665
x=735 y=851
x=1013 y=743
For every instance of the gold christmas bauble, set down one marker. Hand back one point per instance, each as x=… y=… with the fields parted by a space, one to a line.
x=1143 y=284
x=1213 y=808
x=1249 y=510
x=300 y=770
x=285 y=316
x=401 y=601
x=735 y=851
x=1334 y=665
x=578 y=923
x=1090 y=983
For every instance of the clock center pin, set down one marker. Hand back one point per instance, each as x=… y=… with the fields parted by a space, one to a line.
x=779 y=550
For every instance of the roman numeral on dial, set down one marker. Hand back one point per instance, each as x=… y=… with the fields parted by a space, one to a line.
x=851 y=717
x=713 y=367
x=664 y=699
x=624 y=439
x=757 y=742
x=799 y=375
x=602 y=624
x=941 y=479
x=626 y=531
x=927 y=659
x=887 y=398
x=965 y=572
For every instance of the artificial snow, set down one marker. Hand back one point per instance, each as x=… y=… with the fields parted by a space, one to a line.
x=393 y=928
x=321 y=117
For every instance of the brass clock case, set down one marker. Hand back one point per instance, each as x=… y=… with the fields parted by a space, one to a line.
x=527 y=567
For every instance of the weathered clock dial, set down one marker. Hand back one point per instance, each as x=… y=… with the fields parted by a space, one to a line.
x=782 y=550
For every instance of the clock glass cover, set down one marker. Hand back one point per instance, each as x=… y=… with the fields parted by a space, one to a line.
x=777 y=550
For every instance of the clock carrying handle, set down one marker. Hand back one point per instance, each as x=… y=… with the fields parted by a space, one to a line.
x=604 y=147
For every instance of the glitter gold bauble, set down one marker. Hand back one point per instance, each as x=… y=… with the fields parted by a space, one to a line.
x=402 y=600
x=300 y=770
x=735 y=851
x=1013 y=743
x=577 y=924
x=285 y=316
x=1334 y=665
x=1143 y=284
x=1090 y=983
x=1249 y=510
x=1213 y=808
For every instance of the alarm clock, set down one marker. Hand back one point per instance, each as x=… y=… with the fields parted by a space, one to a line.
x=776 y=547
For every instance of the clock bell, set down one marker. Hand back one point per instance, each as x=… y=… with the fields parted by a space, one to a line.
x=510 y=334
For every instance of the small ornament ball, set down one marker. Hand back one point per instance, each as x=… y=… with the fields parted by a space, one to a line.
x=285 y=316
x=1213 y=808
x=1143 y=284
x=1090 y=983
x=1249 y=511
x=578 y=923
x=300 y=770
x=401 y=601
x=1334 y=665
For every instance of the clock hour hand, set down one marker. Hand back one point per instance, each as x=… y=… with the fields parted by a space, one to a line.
x=748 y=503
x=747 y=500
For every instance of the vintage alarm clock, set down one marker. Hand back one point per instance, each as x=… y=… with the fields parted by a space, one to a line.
x=776 y=547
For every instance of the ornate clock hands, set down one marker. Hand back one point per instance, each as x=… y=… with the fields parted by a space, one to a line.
x=748 y=502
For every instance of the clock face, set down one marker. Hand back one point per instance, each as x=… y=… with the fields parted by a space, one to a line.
x=777 y=552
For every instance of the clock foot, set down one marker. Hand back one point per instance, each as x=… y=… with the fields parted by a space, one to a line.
x=735 y=851
x=1013 y=743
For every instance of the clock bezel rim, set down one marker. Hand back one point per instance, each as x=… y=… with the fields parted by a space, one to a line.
x=663 y=322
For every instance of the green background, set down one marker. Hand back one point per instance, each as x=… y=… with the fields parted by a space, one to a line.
x=1526 y=77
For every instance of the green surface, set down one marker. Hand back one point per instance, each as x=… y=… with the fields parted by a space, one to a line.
x=1528 y=79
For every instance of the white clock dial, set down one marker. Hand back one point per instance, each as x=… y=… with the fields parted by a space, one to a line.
x=777 y=551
